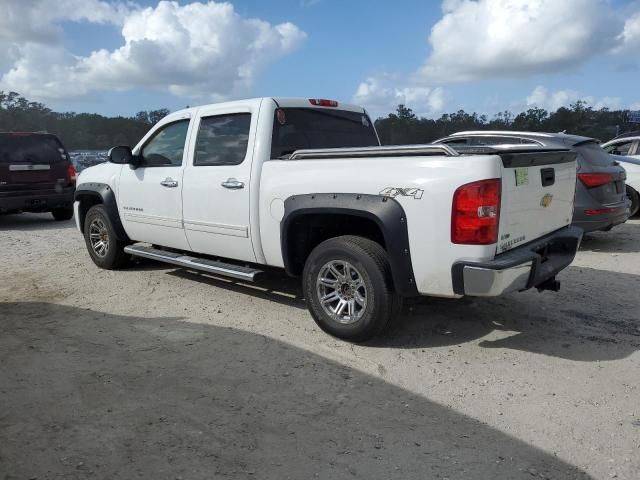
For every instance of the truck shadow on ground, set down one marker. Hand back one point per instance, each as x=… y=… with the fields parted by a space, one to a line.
x=592 y=318
x=32 y=221
x=85 y=393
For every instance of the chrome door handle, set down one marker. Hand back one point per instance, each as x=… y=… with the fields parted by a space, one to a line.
x=232 y=184
x=169 y=182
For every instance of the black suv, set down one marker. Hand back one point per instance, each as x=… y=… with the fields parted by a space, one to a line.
x=36 y=175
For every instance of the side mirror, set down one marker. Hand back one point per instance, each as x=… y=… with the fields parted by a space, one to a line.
x=121 y=155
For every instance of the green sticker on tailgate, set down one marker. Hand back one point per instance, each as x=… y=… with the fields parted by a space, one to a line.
x=522 y=176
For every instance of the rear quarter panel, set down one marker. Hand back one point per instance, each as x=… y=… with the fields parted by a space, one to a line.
x=428 y=218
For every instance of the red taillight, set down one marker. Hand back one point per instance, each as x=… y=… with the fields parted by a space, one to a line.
x=592 y=180
x=71 y=172
x=322 y=102
x=602 y=211
x=476 y=213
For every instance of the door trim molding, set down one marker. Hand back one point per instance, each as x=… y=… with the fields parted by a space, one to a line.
x=153 y=220
x=217 y=228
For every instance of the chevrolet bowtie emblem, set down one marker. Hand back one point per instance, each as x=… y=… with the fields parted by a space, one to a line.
x=546 y=200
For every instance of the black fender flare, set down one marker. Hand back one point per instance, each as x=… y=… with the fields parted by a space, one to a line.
x=104 y=193
x=386 y=212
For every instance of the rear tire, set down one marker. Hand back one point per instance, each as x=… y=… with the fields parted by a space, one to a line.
x=348 y=287
x=61 y=214
x=635 y=201
x=104 y=248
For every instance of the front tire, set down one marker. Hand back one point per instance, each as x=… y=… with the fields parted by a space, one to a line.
x=635 y=201
x=348 y=287
x=105 y=249
x=62 y=214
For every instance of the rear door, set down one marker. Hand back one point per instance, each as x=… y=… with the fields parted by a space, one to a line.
x=217 y=196
x=32 y=162
x=538 y=191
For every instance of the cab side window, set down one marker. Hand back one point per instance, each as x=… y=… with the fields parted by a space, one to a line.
x=619 y=148
x=166 y=147
x=457 y=142
x=222 y=140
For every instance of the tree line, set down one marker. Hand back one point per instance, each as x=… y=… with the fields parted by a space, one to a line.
x=79 y=131
x=404 y=127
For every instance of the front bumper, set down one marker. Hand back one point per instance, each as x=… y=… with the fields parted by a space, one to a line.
x=519 y=269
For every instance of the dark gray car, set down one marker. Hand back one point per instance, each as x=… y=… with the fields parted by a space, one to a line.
x=600 y=202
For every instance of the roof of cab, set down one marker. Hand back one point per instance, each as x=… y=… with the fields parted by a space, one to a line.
x=285 y=102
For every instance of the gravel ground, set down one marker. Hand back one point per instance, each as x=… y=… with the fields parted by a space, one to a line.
x=156 y=372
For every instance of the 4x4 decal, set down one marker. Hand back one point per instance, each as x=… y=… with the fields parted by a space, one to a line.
x=394 y=192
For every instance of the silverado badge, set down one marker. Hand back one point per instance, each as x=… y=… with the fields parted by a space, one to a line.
x=546 y=200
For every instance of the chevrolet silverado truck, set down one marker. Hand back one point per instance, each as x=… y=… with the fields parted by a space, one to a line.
x=236 y=189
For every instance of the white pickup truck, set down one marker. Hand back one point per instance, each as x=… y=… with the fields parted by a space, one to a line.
x=303 y=185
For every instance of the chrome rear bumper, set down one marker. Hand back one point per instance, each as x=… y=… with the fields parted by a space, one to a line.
x=528 y=266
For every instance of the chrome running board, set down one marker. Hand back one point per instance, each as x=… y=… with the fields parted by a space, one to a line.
x=196 y=263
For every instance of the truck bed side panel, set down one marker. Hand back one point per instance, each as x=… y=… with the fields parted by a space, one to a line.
x=428 y=212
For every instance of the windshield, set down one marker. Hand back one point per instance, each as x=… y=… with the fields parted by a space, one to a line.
x=37 y=149
x=304 y=128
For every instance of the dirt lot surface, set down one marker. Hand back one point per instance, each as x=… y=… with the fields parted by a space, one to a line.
x=160 y=373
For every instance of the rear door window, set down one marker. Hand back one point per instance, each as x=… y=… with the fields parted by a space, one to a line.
x=33 y=149
x=222 y=139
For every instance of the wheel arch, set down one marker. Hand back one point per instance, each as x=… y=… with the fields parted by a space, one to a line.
x=90 y=194
x=312 y=218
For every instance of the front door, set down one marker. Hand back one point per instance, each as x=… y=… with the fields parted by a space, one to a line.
x=150 y=196
x=216 y=197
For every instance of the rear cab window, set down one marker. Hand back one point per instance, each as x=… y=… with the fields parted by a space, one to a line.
x=35 y=149
x=311 y=128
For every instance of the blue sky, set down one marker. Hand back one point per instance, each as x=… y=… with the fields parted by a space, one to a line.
x=117 y=58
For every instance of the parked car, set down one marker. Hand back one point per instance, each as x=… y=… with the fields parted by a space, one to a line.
x=36 y=175
x=601 y=201
x=626 y=150
x=303 y=185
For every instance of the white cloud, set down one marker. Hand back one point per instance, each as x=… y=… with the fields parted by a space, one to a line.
x=481 y=39
x=33 y=21
x=380 y=97
x=201 y=50
x=630 y=36
x=541 y=97
x=486 y=38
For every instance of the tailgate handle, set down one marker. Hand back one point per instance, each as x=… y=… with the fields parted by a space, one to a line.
x=548 y=176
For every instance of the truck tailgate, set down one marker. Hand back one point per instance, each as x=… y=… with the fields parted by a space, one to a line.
x=538 y=190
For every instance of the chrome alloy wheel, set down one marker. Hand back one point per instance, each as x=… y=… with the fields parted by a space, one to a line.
x=99 y=237
x=341 y=291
